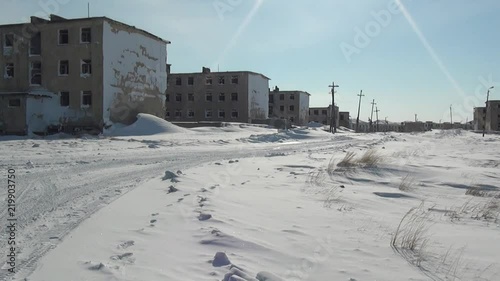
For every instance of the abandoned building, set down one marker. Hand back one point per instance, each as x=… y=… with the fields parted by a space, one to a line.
x=234 y=96
x=323 y=115
x=344 y=119
x=290 y=105
x=479 y=118
x=78 y=74
x=492 y=120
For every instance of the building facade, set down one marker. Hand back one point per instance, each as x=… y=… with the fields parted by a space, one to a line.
x=77 y=73
x=323 y=115
x=236 y=96
x=290 y=105
x=344 y=119
x=492 y=120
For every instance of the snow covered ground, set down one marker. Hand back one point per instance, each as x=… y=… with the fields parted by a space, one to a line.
x=279 y=206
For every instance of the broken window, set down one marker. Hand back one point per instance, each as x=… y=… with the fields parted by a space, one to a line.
x=36 y=44
x=316 y=112
x=178 y=81
x=167 y=97
x=234 y=96
x=178 y=114
x=271 y=98
x=324 y=112
x=208 y=80
x=282 y=108
x=208 y=113
x=208 y=97
x=14 y=102
x=222 y=97
x=86 y=67
x=234 y=113
x=221 y=80
x=167 y=114
x=222 y=113
x=282 y=97
x=191 y=97
x=178 y=97
x=63 y=67
x=9 y=41
x=86 y=98
x=270 y=110
x=190 y=113
x=86 y=36
x=63 y=37
x=292 y=96
x=64 y=98
x=190 y=81
x=292 y=119
x=291 y=108
x=9 y=71
x=234 y=79
x=36 y=73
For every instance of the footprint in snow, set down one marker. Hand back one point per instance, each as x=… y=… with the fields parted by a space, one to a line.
x=126 y=257
x=126 y=244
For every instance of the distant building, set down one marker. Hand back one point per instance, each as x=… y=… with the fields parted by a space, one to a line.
x=492 y=121
x=413 y=127
x=323 y=115
x=344 y=119
x=233 y=96
x=84 y=73
x=290 y=105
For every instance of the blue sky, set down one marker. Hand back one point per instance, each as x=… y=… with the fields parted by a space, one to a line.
x=302 y=45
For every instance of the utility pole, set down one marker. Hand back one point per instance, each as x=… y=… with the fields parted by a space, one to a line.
x=371 y=118
x=386 y=124
x=451 y=115
x=359 y=108
x=486 y=109
x=377 y=117
x=416 y=118
x=334 y=120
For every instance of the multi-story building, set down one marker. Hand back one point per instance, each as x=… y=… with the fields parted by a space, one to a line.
x=323 y=115
x=78 y=73
x=236 y=96
x=290 y=105
x=492 y=122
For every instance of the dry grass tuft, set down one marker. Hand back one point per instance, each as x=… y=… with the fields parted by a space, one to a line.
x=407 y=183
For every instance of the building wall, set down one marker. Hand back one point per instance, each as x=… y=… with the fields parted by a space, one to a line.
x=134 y=74
x=323 y=118
x=493 y=116
x=258 y=97
x=12 y=119
x=303 y=109
x=479 y=118
x=344 y=119
x=281 y=108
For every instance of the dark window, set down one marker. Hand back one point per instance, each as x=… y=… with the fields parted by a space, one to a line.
x=36 y=73
x=86 y=98
x=282 y=97
x=167 y=114
x=234 y=96
x=292 y=119
x=167 y=97
x=178 y=81
x=86 y=67
x=222 y=114
x=234 y=113
x=292 y=108
x=222 y=81
x=190 y=81
x=292 y=96
x=234 y=79
x=63 y=37
x=64 y=67
x=14 y=102
x=9 y=70
x=270 y=110
x=316 y=112
x=191 y=97
x=208 y=80
x=324 y=112
x=208 y=97
x=208 y=113
x=9 y=40
x=178 y=97
x=222 y=97
x=86 y=35
x=190 y=113
x=282 y=108
x=178 y=114
x=36 y=44
x=271 y=98
x=64 y=98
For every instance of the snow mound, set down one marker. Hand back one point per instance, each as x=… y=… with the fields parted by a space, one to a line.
x=313 y=124
x=290 y=135
x=147 y=125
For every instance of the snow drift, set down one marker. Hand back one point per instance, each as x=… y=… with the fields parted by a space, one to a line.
x=147 y=125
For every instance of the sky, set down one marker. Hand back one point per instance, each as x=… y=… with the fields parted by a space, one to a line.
x=411 y=56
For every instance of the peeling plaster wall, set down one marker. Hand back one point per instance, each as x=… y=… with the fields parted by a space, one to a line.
x=303 y=109
x=258 y=97
x=44 y=111
x=135 y=76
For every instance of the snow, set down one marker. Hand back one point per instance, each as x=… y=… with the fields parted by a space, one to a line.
x=145 y=125
x=212 y=205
